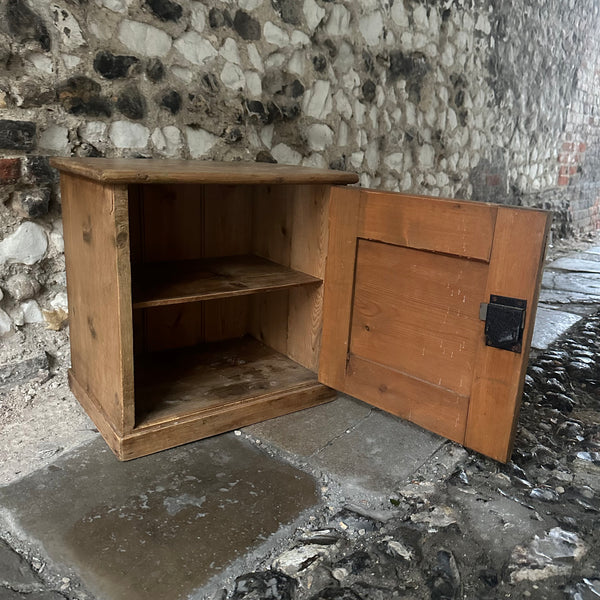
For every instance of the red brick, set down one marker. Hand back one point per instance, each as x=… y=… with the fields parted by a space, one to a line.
x=563 y=157
x=10 y=170
x=582 y=147
x=567 y=146
x=572 y=170
x=563 y=180
x=564 y=170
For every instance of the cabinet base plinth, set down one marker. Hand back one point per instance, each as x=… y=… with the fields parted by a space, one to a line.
x=192 y=427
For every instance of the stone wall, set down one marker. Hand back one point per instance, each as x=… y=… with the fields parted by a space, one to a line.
x=477 y=99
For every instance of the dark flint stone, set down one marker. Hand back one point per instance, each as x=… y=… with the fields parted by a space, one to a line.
x=155 y=69
x=112 y=66
x=290 y=11
x=459 y=98
x=411 y=67
x=265 y=157
x=247 y=27
x=296 y=89
x=172 y=101
x=319 y=63
x=219 y=18
x=231 y=135
x=86 y=150
x=211 y=83
x=407 y=66
x=132 y=104
x=17 y=135
x=33 y=205
x=165 y=10
x=332 y=48
x=489 y=577
x=336 y=593
x=368 y=61
x=356 y=562
x=256 y=108
x=339 y=164
x=368 y=90
x=81 y=96
x=37 y=169
x=559 y=401
x=25 y=25
x=273 y=585
x=445 y=580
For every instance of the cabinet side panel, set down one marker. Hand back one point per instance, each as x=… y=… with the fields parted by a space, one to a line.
x=271 y=238
x=344 y=215
x=99 y=291
x=310 y=213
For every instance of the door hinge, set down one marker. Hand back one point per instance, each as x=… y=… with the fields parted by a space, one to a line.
x=504 y=322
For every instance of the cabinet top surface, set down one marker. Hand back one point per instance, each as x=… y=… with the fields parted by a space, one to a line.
x=137 y=170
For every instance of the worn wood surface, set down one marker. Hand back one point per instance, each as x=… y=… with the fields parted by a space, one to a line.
x=515 y=270
x=418 y=312
x=156 y=284
x=132 y=170
x=99 y=291
x=171 y=385
x=344 y=216
x=436 y=224
x=204 y=424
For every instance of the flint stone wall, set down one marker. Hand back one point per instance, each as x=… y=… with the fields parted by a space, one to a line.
x=480 y=99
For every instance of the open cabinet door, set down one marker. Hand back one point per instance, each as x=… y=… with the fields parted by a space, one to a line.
x=429 y=310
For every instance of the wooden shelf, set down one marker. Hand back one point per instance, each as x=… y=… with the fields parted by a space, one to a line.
x=158 y=284
x=204 y=381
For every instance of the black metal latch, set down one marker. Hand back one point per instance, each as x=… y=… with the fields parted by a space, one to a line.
x=504 y=322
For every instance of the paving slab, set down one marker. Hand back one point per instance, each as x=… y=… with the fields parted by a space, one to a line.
x=376 y=455
x=160 y=526
x=550 y=324
x=574 y=302
x=583 y=283
x=306 y=432
x=576 y=264
x=589 y=256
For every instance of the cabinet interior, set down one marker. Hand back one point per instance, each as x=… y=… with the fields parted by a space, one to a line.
x=227 y=290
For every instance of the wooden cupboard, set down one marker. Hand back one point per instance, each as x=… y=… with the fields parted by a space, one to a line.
x=206 y=296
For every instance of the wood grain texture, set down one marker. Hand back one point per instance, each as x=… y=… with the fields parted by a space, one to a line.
x=132 y=170
x=338 y=290
x=308 y=253
x=440 y=410
x=99 y=291
x=444 y=226
x=418 y=312
x=172 y=385
x=198 y=426
x=157 y=284
x=515 y=270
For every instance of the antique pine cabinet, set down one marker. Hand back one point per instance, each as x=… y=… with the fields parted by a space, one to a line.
x=206 y=296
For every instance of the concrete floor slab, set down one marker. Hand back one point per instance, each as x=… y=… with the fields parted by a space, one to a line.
x=160 y=526
x=378 y=454
x=305 y=432
x=550 y=325
x=583 y=283
x=593 y=256
x=575 y=264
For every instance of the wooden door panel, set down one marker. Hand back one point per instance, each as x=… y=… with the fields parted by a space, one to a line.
x=417 y=313
x=447 y=226
x=405 y=279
